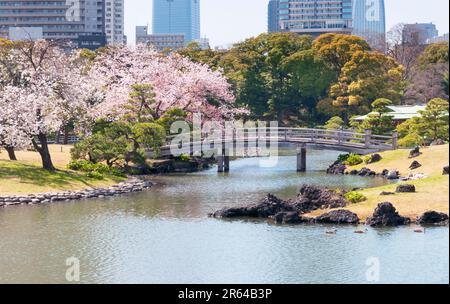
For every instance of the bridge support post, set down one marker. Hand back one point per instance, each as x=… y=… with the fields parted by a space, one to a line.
x=301 y=158
x=223 y=161
x=395 y=140
x=368 y=138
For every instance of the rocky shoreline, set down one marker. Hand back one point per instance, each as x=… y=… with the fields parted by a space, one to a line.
x=311 y=198
x=129 y=186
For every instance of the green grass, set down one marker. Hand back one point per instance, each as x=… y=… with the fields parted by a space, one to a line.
x=432 y=192
x=26 y=176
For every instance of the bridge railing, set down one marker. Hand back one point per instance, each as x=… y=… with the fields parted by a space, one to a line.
x=301 y=135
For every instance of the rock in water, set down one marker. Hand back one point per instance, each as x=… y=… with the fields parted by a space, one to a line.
x=393 y=175
x=415 y=152
x=313 y=197
x=338 y=217
x=406 y=189
x=433 y=218
x=445 y=171
x=288 y=218
x=268 y=206
x=337 y=168
x=386 y=215
x=415 y=165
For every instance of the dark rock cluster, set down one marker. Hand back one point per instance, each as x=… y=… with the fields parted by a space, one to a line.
x=338 y=217
x=131 y=185
x=415 y=152
x=406 y=188
x=415 y=165
x=445 y=171
x=386 y=215
x=310 y=198
x=433 y=218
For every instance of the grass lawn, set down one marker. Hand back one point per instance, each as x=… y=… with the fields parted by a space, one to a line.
x=26 y=176
x=432 y=192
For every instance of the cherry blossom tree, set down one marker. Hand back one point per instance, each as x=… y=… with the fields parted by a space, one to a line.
x=53 y=89
x=176 y=81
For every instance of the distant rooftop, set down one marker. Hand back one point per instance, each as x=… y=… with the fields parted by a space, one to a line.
x=398 y=112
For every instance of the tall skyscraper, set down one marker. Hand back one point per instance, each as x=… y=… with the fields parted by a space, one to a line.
x=273 y=24
x=369 y=22
x=177 y=17
x=114 y=22
x=315 y=17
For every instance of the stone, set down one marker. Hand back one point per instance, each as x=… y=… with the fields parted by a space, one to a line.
x=415 y=152
x=338 y=217
x=415 y=165
x=385 y=172
x=438 y=142
x=393 y=174
x=386 y=193
x=386 y=215
x=337 y=168
x=445 y=171
x=312 y=198
x=433 y=218
x=406 y=188
x=288 y=218
x=375 y=158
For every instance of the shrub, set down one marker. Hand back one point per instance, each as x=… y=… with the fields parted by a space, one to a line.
x=94 y=175
x=367 y=159
x=355 y=197
x=353 y=160
x=343 y=157
x=97 y=169
x=185 y=157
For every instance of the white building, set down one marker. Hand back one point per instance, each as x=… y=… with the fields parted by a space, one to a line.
x=114 y=22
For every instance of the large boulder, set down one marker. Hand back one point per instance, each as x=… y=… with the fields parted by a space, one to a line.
x=445 y=171
x=393 y=174
x=268 y=206
x=366 y=172
x=386 y=215
x=291 y=217
x=338 y=217
x=337 y=168
x=312 y=198
x=374 y=158
x=415 y=165
x=414 y=152
x=406 y=188
x=433 y=218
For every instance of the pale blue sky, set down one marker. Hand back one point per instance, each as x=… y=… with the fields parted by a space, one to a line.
x=229 y=21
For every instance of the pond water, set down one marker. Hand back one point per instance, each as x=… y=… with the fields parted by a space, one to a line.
x=164 y=236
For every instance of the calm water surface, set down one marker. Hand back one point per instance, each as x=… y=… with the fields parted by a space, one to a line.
x=164 y=236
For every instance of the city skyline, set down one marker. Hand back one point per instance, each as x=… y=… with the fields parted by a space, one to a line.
x=216 y=16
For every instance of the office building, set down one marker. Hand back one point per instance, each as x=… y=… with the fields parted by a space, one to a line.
x=273 y=24
x=177 y=17
x=315 y=17
x=439 y=39
x=161 y=42
x=419 y=33
x=369 y=22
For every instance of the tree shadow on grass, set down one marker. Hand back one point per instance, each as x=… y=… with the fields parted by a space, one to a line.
x=34 y=175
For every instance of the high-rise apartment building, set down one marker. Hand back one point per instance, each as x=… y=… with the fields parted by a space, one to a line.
x=369 y=22
x=273 y=24
x=114 y=22
x=177 y=17
x=315 y=17
x=84 y=22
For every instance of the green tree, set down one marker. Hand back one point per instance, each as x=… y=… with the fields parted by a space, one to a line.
x=379 y=121
x=335 y=123
x=434 y=119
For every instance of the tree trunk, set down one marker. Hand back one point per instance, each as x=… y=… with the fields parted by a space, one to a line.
x=43 y=150
x=11 y=152
x=66 y=135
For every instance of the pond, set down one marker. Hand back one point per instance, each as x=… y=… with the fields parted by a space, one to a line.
x=164 y=236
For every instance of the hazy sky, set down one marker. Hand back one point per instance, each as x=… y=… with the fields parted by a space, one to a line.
x=228 y=21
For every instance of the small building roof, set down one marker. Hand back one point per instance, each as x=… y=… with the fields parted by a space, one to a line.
x=398 y=112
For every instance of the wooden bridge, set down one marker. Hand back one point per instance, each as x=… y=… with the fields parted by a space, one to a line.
x=231 y=140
